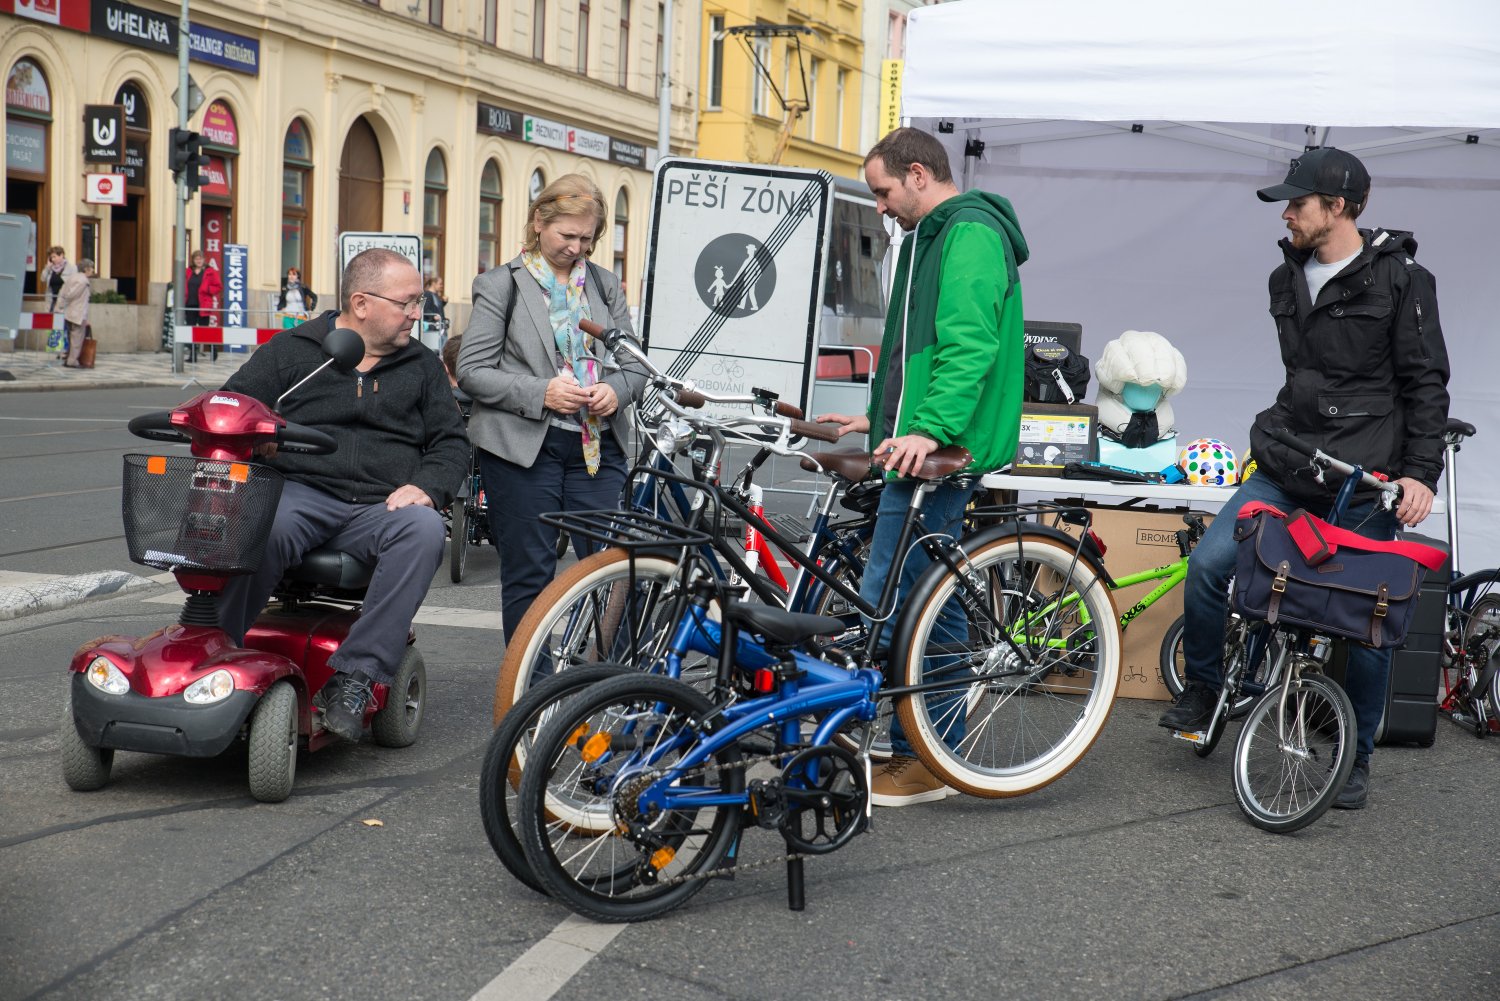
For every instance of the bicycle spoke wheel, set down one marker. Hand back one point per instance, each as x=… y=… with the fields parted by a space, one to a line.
x=1173 y=664
x=632 y=860
x=606 y=608
x=1480 y=640
x=1241 y=640
x=504 y=759
x=1293 y=757
x=458 y=540
x=1029 y=638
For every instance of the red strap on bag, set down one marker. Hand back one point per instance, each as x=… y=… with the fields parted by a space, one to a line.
x=1318 y=541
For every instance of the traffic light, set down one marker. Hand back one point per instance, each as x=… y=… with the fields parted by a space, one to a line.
x=187 y=157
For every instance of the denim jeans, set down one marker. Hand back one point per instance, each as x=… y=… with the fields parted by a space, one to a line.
x=942 y=513
x=1206 y=600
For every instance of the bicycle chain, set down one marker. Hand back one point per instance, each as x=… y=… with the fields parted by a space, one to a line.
x=704 y=769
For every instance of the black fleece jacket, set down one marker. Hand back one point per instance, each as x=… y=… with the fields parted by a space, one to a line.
x=395 y=424
x=1366 y=368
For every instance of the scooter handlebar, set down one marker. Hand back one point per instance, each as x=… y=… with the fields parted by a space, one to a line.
x=302 y=439
x=156 y=426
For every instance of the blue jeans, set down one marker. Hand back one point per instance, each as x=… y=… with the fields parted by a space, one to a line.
x=942 y=513
x=558 y=480
x=1206 y=600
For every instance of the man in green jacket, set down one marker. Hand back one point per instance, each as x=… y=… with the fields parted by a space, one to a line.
x=951 y=364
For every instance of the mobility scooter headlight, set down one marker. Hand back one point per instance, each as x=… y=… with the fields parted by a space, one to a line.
x=210 y=688
x=104 y=676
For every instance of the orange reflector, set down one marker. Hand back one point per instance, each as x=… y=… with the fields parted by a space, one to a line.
x=578 y=734
x=662 y=857
x=156 y=464
x=239 y=472
x=597 y=745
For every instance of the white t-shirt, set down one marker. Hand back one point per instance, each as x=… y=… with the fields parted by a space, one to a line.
x=1318 y=274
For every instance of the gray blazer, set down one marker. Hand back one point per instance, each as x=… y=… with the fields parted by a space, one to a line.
x=506 y=368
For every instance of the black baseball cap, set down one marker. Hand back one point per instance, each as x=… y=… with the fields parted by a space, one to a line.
x=1323 y=171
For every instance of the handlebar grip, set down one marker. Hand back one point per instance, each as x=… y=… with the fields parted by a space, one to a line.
x=818 y=432
x=304 y=440
x=787 y=410
x=590 y=327
x=156 y=426
x=1290 y=440
x=690 y=399
x=611 y=336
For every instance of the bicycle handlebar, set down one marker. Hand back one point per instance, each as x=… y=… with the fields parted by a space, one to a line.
x=1321 y=458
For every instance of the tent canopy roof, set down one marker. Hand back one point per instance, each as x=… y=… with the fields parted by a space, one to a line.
x=1435 y=63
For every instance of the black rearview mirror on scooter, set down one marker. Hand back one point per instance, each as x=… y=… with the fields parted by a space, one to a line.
x=345 y=350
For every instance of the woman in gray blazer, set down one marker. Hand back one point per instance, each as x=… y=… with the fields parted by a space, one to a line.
x=551 y=406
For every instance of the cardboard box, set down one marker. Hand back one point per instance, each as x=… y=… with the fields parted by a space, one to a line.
x=1055 y=434
x=1138 y=539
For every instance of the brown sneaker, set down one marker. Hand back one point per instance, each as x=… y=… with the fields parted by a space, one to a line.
x=906 y=781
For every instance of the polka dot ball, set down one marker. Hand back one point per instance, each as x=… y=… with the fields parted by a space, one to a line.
x=1209 y=462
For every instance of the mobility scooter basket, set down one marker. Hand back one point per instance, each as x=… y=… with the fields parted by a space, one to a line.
x=185 y=513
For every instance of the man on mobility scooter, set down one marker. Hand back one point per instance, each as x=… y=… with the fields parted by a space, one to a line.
x=402 y=453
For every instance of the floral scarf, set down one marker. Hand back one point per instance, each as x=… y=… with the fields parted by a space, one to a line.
x=566 y=305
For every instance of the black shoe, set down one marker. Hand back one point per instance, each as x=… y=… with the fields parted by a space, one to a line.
x=345 y=715
x=1193 y=710
x=1356 y=791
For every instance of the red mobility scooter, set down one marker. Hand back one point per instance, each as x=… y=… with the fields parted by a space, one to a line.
x=187 y=689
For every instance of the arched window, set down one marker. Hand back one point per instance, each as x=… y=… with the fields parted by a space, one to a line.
x=622 y=233
x=434 y=212
x=489 y=216
x=296 y=199
x=538 y=182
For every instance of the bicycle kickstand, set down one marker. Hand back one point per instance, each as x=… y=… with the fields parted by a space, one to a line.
x=796 y=897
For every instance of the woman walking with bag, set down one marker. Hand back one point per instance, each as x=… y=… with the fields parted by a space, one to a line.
x=73 y=301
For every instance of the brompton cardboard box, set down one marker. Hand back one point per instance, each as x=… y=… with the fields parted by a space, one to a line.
x=1142 y=539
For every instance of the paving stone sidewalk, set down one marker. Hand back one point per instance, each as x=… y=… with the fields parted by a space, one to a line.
x=40 y=371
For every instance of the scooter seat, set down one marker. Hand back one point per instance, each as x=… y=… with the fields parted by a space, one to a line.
x=331 y=568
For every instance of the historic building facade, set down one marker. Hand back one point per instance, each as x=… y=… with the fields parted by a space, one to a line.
x=438 y=118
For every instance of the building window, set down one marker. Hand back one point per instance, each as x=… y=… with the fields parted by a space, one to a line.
x=583 y=37
x=838 y=109
x=760 y=97
x=28 y=118
x=435 y=12
x=534 y=190
x=434 y=212
x=490 y=17
x=538 y=28
x=296 y=199
x=895 y=42
x=489 y=216
x=625 y=43
x=814 y=66
x=622 y=233
x=716 y=61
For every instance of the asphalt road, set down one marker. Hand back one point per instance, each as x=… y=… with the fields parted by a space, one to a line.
x=1135 y=876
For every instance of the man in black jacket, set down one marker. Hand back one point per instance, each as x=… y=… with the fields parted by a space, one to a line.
x=402 y=453
x=1367 y=375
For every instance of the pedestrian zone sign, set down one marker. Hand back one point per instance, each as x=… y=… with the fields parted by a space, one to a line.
x=734 y=275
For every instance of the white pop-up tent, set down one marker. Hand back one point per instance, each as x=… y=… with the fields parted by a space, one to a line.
x=1132 y=137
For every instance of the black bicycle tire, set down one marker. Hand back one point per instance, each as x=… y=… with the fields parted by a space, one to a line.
x=720 y=837
x=500 y=770
x=1337 y=772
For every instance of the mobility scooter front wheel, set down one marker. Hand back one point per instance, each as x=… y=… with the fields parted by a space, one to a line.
x=273 y=744
x=84 y=768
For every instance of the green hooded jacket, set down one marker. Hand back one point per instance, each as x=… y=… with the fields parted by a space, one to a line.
x=963 y=344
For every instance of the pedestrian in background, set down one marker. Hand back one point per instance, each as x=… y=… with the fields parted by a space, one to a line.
x=73 y=301
x=201 y=298
x=57 y=270
x=296 y=298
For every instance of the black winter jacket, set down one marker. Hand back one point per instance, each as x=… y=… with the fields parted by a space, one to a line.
x=395 y=424
x=1366 y=369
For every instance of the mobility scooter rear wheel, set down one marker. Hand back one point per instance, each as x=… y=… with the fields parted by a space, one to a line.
x=273 y=744
x=397 y=723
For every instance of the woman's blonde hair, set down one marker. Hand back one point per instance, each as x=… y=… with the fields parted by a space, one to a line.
x=570 y=194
